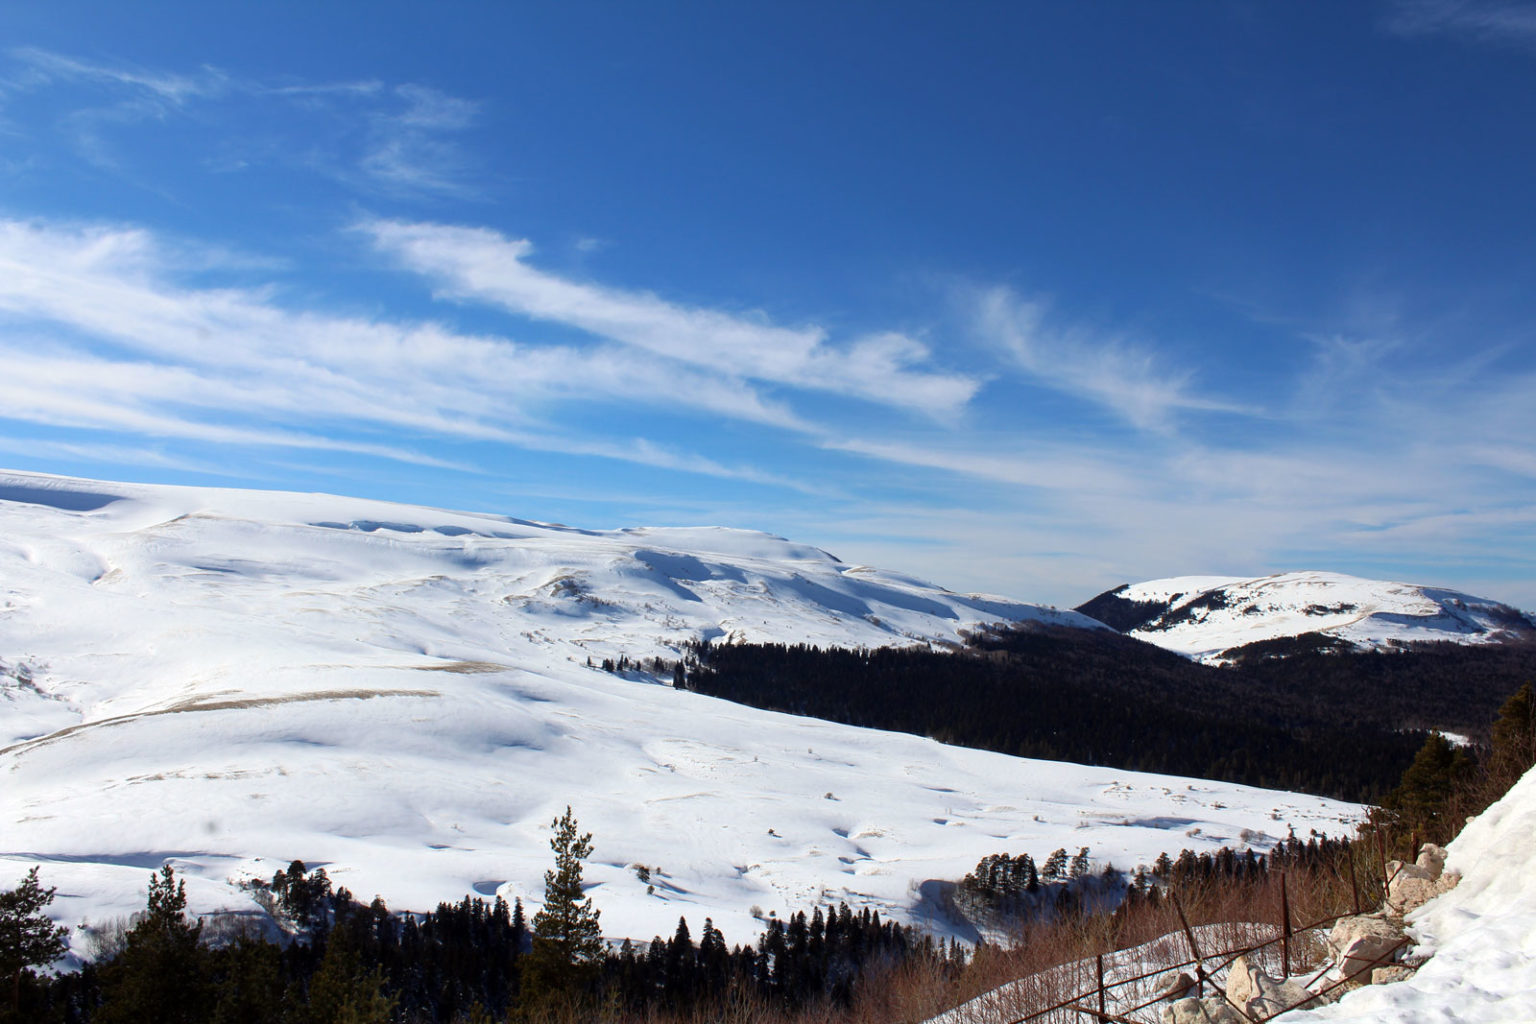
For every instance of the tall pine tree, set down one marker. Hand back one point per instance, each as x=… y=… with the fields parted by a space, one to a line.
x=567 y=941
x=162 y=973
x=27 y=937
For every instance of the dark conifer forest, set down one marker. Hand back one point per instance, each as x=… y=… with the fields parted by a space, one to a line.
x=465 y=962
x=1294 y=715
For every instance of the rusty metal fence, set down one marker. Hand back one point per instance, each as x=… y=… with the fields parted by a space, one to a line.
x=1269 y=946
x=1092 y=1002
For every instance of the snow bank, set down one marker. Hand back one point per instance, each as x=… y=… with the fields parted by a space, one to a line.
x=1482 y=934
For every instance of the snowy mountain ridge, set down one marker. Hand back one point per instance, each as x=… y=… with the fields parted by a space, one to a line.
x=1204 y=616
x=233 y=679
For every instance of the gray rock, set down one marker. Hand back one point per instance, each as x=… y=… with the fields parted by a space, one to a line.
x=1211 y=1010
x=1259 y=995
x=1240 y=981
x=1412 y=885
x=1431 y=859
x=1408 y=894
x=1387 y=975
x=1398 y=870
x=1177 y=988
x=1278 y=997
x=1359 y=942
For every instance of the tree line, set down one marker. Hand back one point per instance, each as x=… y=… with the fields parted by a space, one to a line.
x=1338 y=725
x=471 y=962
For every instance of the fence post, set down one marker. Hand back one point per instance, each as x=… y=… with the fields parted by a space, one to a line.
x=1381 y=847
x=1285 y=928
x=1354 y=886
x=1189 y=934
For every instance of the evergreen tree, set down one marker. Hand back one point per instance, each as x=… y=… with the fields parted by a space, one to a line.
x=161 y=975
x=250 y=983
x=1080 y=863
x=1055 y=865
x=342 y=992
x=28 y=938
x=1513 y=741
x=567 y=940
x=1421 y=801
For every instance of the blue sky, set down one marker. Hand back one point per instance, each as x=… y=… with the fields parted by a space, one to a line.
x=1031 y=298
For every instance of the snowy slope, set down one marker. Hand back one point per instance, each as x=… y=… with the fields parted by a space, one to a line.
x=234 y=679
x=1202 y=616
x=1482 y=934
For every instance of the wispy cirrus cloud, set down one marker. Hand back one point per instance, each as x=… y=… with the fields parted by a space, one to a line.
x=394 y=139
x=412 y=147
x=120 y=95
x=1506 y=22
x=1080 y=469
x=100 y=335
x=477 y=264
x=1128 y=380
x=44 y=66
x=1378 y=452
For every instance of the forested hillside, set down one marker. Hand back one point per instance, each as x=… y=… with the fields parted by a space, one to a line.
x=1341 y=725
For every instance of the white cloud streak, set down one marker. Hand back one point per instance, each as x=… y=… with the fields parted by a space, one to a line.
x=408 y=132
x=170 y=361
x=412 y=148
x=97 y=334
x=1504 y=22
x=476 y=264
x=1124 y=379
x=46 y=66
x=1401 y=462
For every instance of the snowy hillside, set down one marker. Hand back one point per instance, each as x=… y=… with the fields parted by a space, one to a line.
x=1202 y=616
x=234 y=679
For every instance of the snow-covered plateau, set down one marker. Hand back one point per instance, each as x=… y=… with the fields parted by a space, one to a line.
x=234 y=679
x=1204 y=616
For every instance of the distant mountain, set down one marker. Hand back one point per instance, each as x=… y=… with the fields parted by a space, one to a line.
x=408 y=696
x=1210 y=617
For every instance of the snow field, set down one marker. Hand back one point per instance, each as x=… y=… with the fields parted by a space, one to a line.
x=231 y=680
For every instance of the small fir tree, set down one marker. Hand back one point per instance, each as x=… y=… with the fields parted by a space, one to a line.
x=1080 y=863
x=567 y=940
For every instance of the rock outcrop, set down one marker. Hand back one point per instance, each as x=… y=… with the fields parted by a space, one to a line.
x=1387 y=975
x=1362 y=942
x=1210 y=1010
x=1259 y=995
x=1410 y=886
